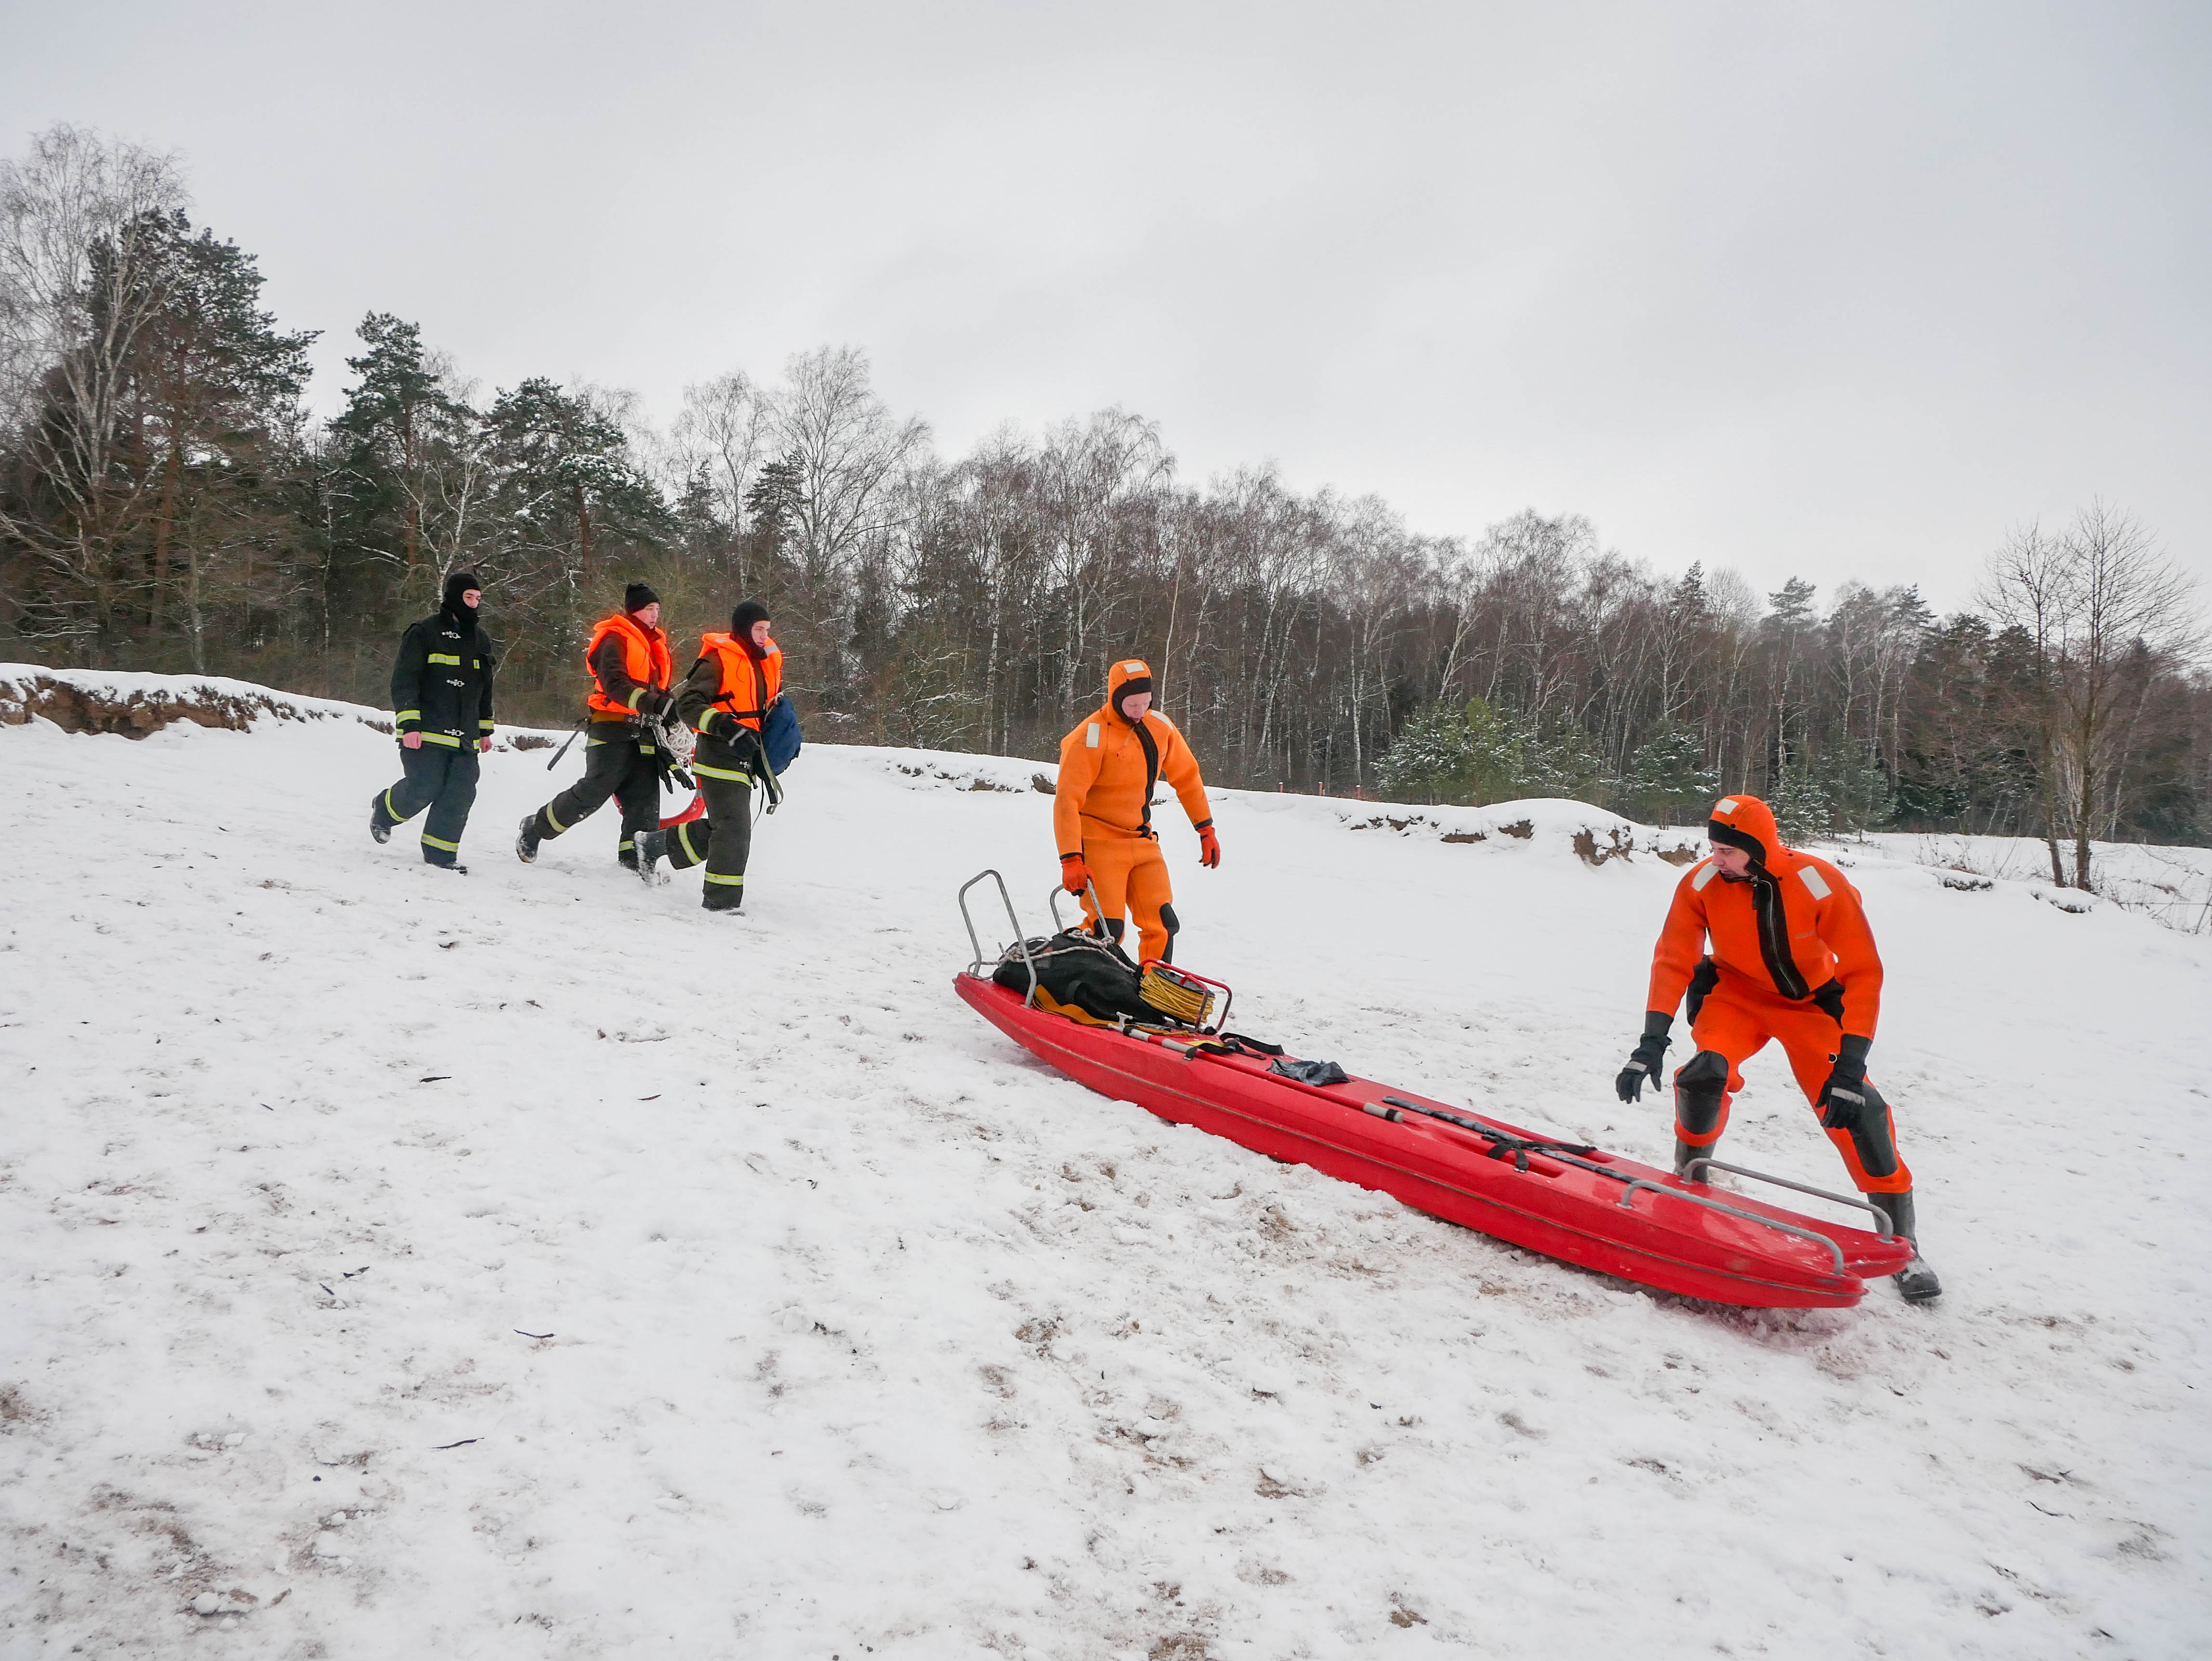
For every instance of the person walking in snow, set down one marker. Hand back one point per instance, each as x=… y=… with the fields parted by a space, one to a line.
x=628 y=661
x=1793 y=960
x=726 y=699
x=1102 y=810
x=442 y=711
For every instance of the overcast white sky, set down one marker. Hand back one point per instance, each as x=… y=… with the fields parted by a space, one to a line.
x=1836 y=290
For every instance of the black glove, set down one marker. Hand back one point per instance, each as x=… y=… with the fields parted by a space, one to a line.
x=656 y=705
x=1844 y=1098
x=1646 y=1060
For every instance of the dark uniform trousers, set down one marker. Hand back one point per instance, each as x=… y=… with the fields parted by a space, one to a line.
x=443 y=777
x=722 y=840
x=618 y=762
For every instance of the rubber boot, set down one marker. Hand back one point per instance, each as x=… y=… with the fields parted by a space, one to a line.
x=1700 y=1095
x=721 y=896
x=652 y=848
x=526 y=840
x=1916 y=1280
x=380 y=826
x=1683 y=1154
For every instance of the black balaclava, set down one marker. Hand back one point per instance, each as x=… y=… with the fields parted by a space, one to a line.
x=741 y=625
x=462 y=616
x=1728 y=835
x=637 y=597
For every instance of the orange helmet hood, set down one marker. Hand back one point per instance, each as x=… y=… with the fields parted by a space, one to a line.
x=1748 y=823
x=1127 y=675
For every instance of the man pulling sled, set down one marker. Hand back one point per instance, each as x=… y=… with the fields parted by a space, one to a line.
x=1793 y=961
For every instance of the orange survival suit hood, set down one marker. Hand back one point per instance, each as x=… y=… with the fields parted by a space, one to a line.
x=1748 y=823
x=1127 y=676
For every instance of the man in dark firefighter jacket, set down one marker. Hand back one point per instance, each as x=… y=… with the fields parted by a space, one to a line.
x=628 y=657
x=442 y=710
x=725 y=700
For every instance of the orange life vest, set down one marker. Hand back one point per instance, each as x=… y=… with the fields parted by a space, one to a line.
x=749 y=684
x=645 y=660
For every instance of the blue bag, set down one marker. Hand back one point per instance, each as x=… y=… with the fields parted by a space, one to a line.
x=780 y=739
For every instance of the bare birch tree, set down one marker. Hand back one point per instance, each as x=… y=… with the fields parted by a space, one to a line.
x=722 y=434
x=2125 y=605
x=82 y=234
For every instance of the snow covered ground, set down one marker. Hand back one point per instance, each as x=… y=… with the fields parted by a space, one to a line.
x=528 y=1264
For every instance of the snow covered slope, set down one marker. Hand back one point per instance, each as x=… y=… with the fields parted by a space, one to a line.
x=527 y=1264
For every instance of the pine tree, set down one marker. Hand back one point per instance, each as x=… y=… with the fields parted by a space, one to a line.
x=1494 y=763
x=1851 y=778
x=1429 y=761
x=1790 y=607
x=410 y=481
x=569 y=493
x=1688 y=603
x=1477 y=756
x=218 y=387
x=1802 y=811
x=1559 y=761
x=1669 y=778
x=772 y=504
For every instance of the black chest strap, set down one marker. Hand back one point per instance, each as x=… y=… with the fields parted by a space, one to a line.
x=1151 y=771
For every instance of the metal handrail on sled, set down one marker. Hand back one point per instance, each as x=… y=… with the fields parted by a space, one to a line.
x=1502 y=1141
x=1628 y=1196
x=1690 y=1175
x=1052 y=903
x=1021 y=941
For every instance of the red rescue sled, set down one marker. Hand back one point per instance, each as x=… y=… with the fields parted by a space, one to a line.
x=1578 y=1204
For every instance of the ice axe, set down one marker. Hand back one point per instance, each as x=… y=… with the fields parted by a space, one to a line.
x=563 y=750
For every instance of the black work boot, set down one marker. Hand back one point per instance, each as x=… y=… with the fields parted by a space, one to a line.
x=722 y=896
x=526 y=840
x=1684 y=1153
x=652 y=848
x=379 y=823
x=1916 y=1280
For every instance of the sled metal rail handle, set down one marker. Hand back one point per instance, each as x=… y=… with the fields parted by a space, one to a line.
x=1021 y=944
x=1052 y=900
x=1690 y=1174
x=1628 y=1195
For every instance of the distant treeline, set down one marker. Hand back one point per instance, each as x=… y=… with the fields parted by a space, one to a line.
x=166 y=504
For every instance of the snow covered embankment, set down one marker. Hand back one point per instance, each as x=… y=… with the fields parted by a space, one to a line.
x=530 y=1264
x=120 y=701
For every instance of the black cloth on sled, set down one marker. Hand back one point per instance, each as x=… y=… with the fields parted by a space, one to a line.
x=1076 y=968
x=1311 y=1071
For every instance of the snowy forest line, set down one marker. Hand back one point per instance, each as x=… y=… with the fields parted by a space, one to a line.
x=167 y=502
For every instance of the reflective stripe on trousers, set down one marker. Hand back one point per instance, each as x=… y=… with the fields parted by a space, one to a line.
x=443 y=781
x=723 y=840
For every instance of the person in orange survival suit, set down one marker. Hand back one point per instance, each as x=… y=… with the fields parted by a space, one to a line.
x=1102 y=813
x=1793 y=960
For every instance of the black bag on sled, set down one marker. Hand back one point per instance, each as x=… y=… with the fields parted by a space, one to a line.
x=1076 y=968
